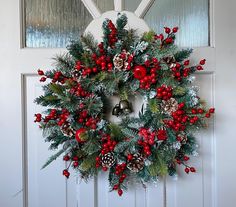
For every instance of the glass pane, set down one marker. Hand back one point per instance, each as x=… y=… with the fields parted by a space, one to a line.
x=190 y=16
x=105 y=5
x=131 y=5
x=52 y=23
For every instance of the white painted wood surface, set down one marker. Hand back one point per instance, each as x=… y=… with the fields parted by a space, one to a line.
x=22 y=150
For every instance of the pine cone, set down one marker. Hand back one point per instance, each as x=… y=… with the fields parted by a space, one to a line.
x=67 y=130
x=108 y=159
x=169 y=60
x=169 y=106
x=120 y=61
x=136 y=163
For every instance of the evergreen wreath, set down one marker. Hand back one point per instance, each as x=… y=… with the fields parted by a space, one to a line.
x=125 y=65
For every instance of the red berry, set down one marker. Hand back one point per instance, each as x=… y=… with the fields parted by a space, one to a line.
x=199 y=67
x=186 y=158
x=175 y=29
x=211 y=110
x=202 y=62
x=194 y=111
x=75 y=163
x=200 y=111
x=66 y=158
x=75 y=158
x=169 y=40
x=43 y=79
x=186 y=62
x=66 y=173
x=192 y=169
x=207 y=115
x=115 y=187
x=120 y=192
x=167 y=30
x=104 y=168
x=186 y=170
x=40 y=72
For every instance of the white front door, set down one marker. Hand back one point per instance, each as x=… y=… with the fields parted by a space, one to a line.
x=23 y=151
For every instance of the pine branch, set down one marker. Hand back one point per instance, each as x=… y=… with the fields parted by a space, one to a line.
x=182 y=55
x=89 y=42
x=52 y=158
x=76 y=49
x=116 y=131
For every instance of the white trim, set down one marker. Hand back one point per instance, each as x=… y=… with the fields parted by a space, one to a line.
x=143 y=8
x=92 y=8
x=118 y=5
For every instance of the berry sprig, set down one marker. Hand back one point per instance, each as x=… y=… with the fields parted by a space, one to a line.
x=170 y=36
x=187 y=168
x=78 y=90
x=119 y=171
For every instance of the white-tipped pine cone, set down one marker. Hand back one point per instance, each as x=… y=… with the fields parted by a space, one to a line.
x=108 y=159
x=136 y=163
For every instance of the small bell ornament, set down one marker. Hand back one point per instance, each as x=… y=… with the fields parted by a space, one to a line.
x=124 y=104
x=116 y=110
x=136 y=163
x=108 y=159
x=127 y=111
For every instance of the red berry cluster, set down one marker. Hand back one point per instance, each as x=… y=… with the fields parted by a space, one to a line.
x=147 y=135
x=52 y=115
x=79 y=91
x=63 y=117
x=119 y=171
x=58 y=77
x=161 y=134
x=150 y=79
x=179 y=74
x=41 y=73
x=202 y=62
x=102 y=62
x=87 y=120
x=179 y=120
x=85 y=70
x=211 y=111
x=164 y=92
x=108 y=145
x=201 y=111
x=187 y=168
x=169 y=39
x=75 y=160
x=112 y=37
x=190 y=169
x=148 y=139
x=75 y=163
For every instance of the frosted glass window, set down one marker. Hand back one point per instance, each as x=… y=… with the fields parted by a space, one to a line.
x=191 y=16
x=53 y=23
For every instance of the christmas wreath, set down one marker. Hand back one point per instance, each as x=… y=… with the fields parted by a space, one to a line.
x=77 y=97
